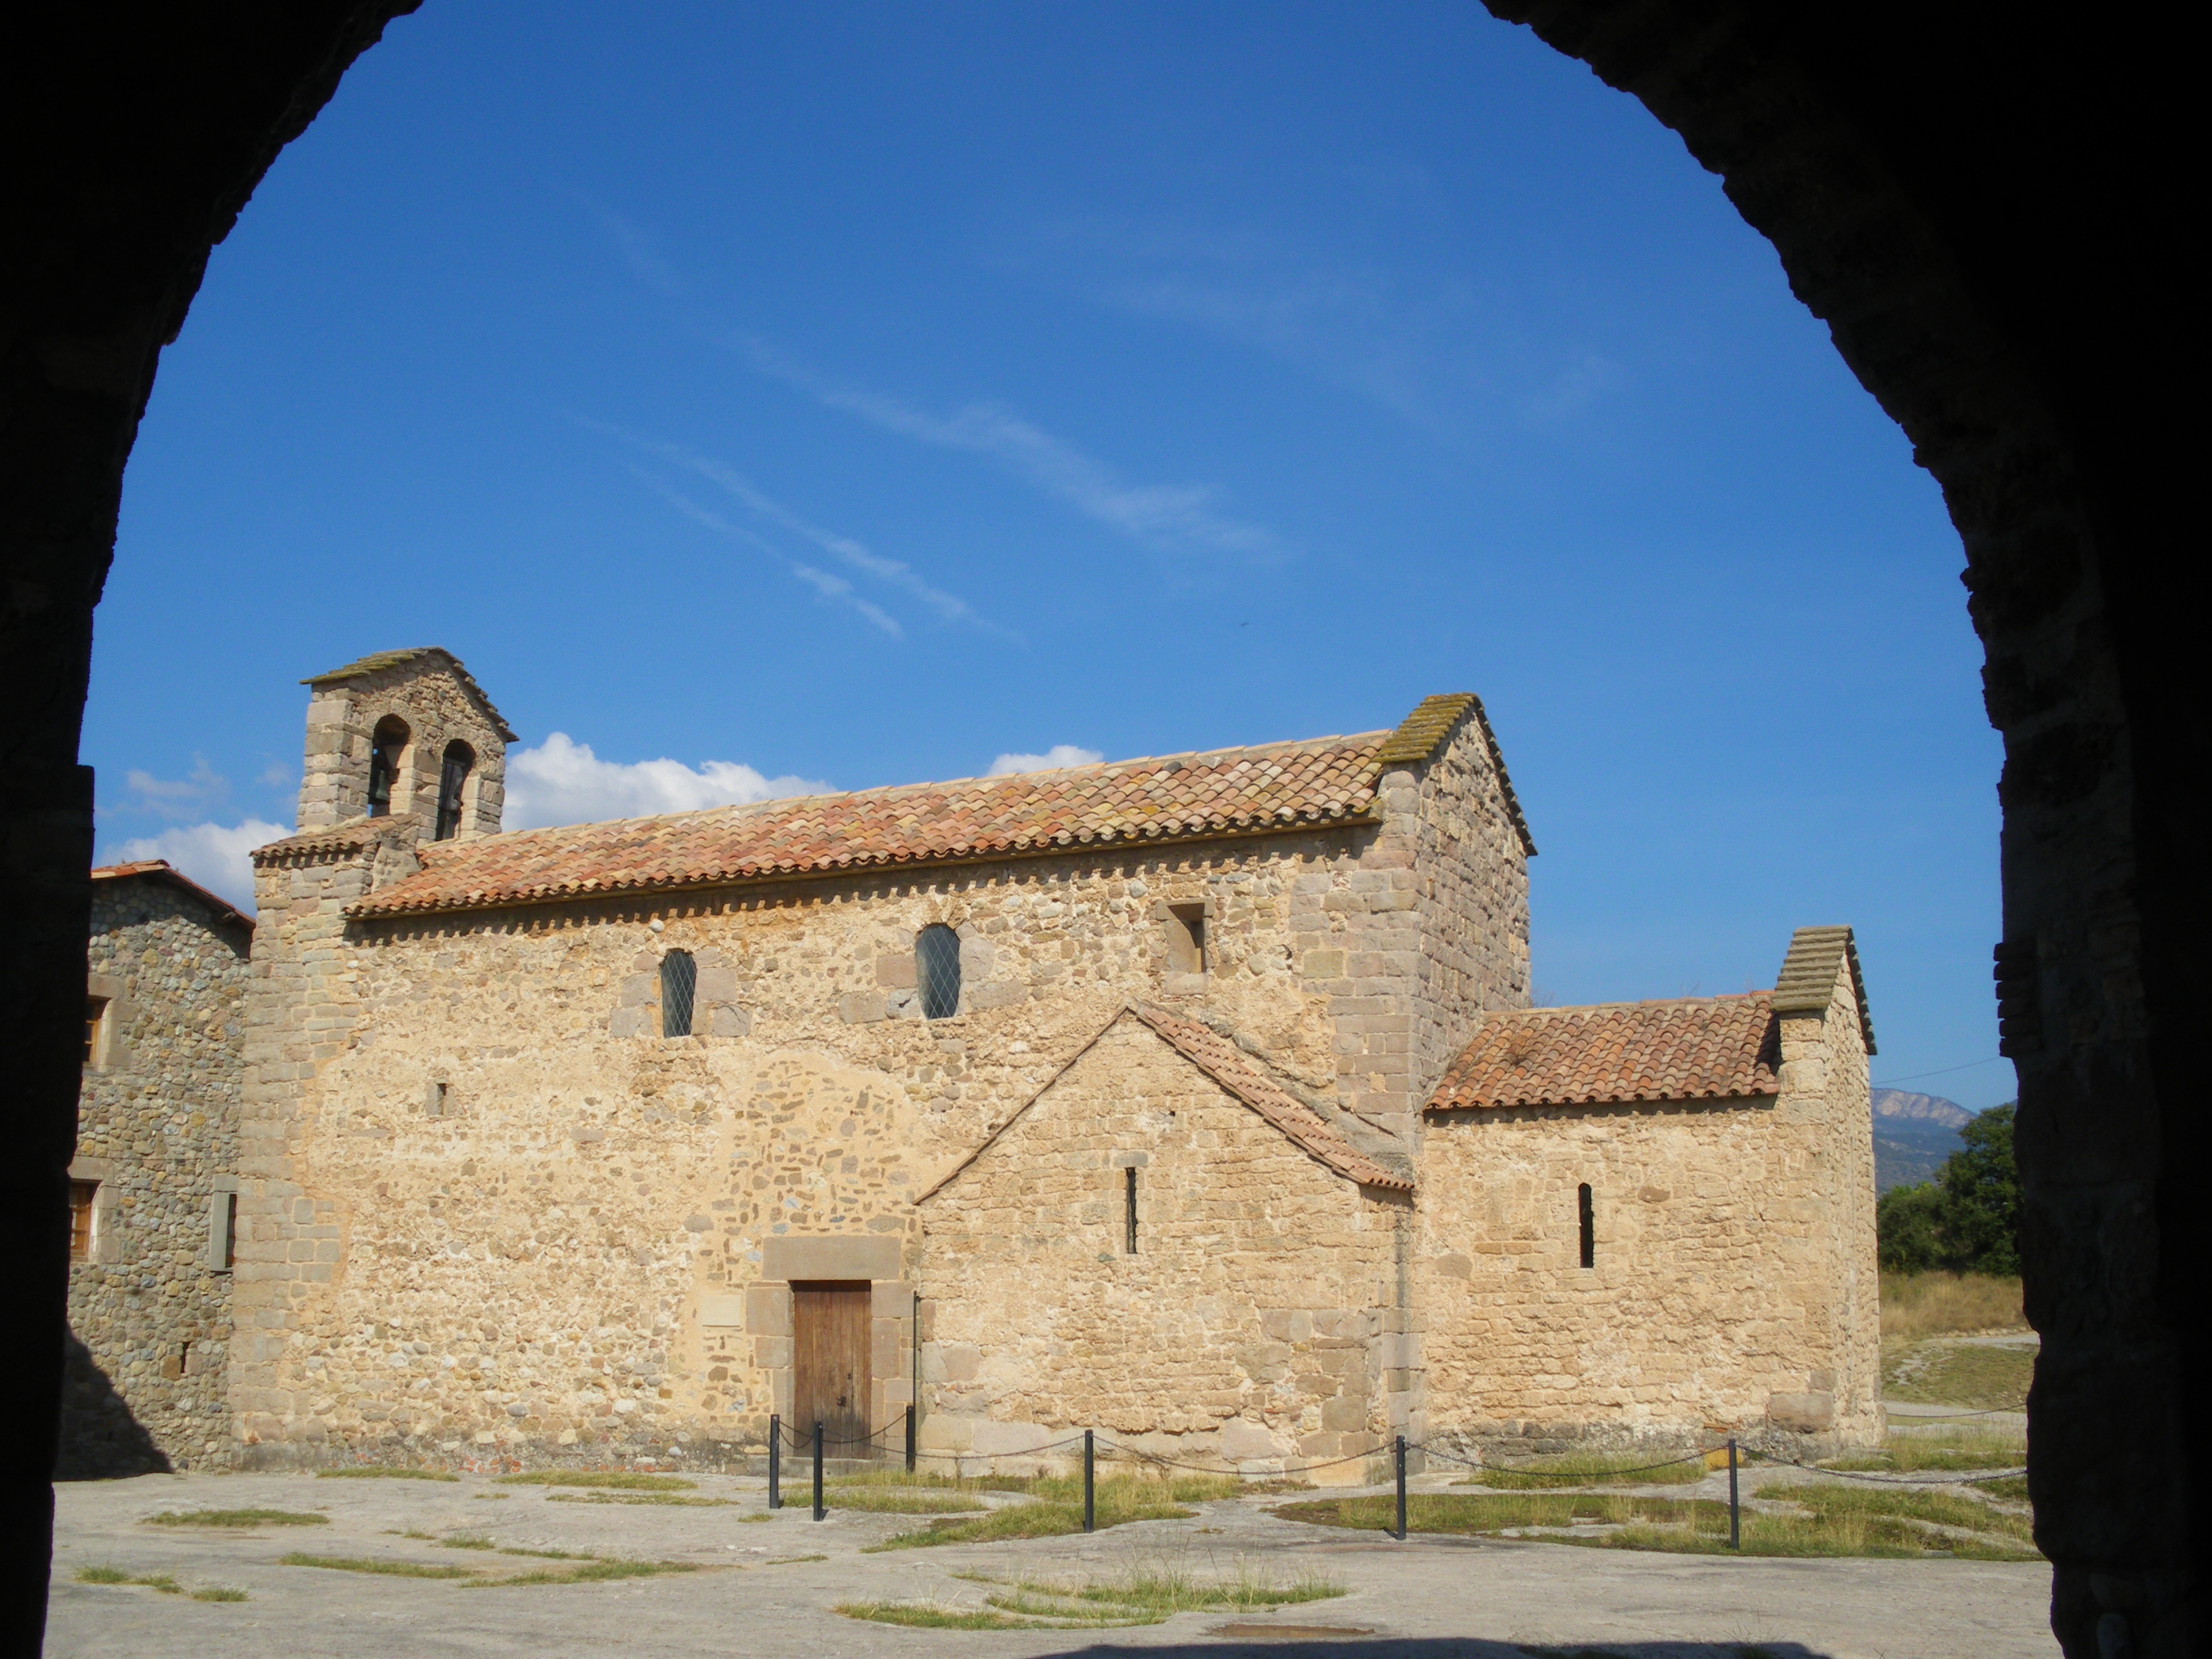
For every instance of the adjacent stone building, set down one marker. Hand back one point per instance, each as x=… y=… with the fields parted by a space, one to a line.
x=154 y=1183
x=1103 y=1097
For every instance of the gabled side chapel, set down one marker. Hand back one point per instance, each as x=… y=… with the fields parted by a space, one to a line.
x=1196 y=1100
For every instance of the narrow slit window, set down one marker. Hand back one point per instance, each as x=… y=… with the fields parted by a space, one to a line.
x=384 y=746
x=95 y=1014
x=82 y=1195
x=1589 y=1225
x=452 y=779
x=1187 y=938
x=222 y=1230
x=937 y=965
x=1129 y=1210
x=680 y=979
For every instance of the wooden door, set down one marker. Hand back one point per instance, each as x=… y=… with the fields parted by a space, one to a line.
x=830 y=1365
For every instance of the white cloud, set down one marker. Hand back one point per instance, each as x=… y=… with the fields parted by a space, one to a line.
x=561 y=781
x=1171 y=517
x=212 y=854
x=178 y=798
x=1052 y=760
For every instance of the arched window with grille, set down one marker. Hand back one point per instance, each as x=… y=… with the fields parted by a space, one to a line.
x=937 y=970
x=385 y=746
x=679 y=983
x=453 y=778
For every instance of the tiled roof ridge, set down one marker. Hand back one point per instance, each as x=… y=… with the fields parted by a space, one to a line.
x=1807 y=982
x=347 y=836
x=162 y=871
x=1248 y=1078
x=1339 y=789
x=1720 y=1048
x=376 y=661
x=1421 y=733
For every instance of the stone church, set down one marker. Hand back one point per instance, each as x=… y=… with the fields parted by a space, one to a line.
x=1196 y=1100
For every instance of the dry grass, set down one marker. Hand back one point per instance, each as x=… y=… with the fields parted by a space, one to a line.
x=384 y=1565
x=1976 y=1378
x=891 y=1500
x=641 y=1497
x=1588 y=1469
x=1149 y=1593
x=1117 y=1500
x=592 y=1570
x=382 y=1471
x=605 y=1480
x=237 y=1518
x=1916 y=1306
x=1962 y=1449
x=1825 y=1519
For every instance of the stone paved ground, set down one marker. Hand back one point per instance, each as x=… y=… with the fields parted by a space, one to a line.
x=770 y=1582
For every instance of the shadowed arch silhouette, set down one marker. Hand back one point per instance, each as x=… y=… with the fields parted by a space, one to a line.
x=1971 y=200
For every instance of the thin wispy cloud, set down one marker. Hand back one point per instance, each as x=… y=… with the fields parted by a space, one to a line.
x=638 y=251
x=835 y=589
x=192 y=796
x=1171 y=518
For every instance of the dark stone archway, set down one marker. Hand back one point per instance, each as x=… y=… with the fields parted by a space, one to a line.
x=1973 y=199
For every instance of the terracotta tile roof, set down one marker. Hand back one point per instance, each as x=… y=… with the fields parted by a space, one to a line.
x=162 y=871
x=1221 y=1059
x=376 y=661
x=1808 y=981
x=1711 y=1049
x=347 y=836
x=1327 y=781
x=1245 y=1077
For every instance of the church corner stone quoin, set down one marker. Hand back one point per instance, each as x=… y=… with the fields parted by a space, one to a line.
x=1195 y=1100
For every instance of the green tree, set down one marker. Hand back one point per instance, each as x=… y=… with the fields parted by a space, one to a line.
x=1967 y=1219
x=1908 y=1226
x=1980 y=1217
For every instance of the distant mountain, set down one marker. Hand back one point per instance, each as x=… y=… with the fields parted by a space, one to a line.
x=1912 y=1136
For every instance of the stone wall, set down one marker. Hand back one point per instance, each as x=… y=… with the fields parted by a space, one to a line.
x=157 y=1127
x=488 y=1207
x=1734 y=1284
x=1252 y=1325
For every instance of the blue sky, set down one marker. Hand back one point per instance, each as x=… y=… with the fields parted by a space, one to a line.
x=851 y=395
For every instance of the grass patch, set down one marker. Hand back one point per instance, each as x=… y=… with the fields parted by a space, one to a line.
x=218 y=1593
x=491 y=1497
x=926 y=1615
x=389 y=1568
x=382 y=1471
x=102 y=1575
x=1587 y=1469
x=644 y=1498
x=790 y=1560
x=1064 y=1488
x=410 y=1532
x=604 y=1480
x=1117 y=1501
x=237 y=1518
x=2013 y=1487
x=466 y=1541
x=1960 y=1449
x=158 y=1580
x=1837 y=1520
x=1915 y=1305
x=890 y=1500
x=592 y=1569
x=1976 y=1378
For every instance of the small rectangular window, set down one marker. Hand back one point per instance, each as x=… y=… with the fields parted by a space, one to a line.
x=1129 y=1210
x=434 y=1100
x=95 y=1026
x=222 y=1230
x=679 y=982
x=1589 y=1225
x=82 y=1196
x=1185 y=939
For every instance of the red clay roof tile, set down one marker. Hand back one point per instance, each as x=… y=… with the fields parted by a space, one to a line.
x=1228 y=792
x=1713 y=1048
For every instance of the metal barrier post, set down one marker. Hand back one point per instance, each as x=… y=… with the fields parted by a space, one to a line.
x=818 y=1511
x=1735 y=1533
x=1089 y=1509
x=909 y=1440
x=775 y=1462
x=1401 y=1488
